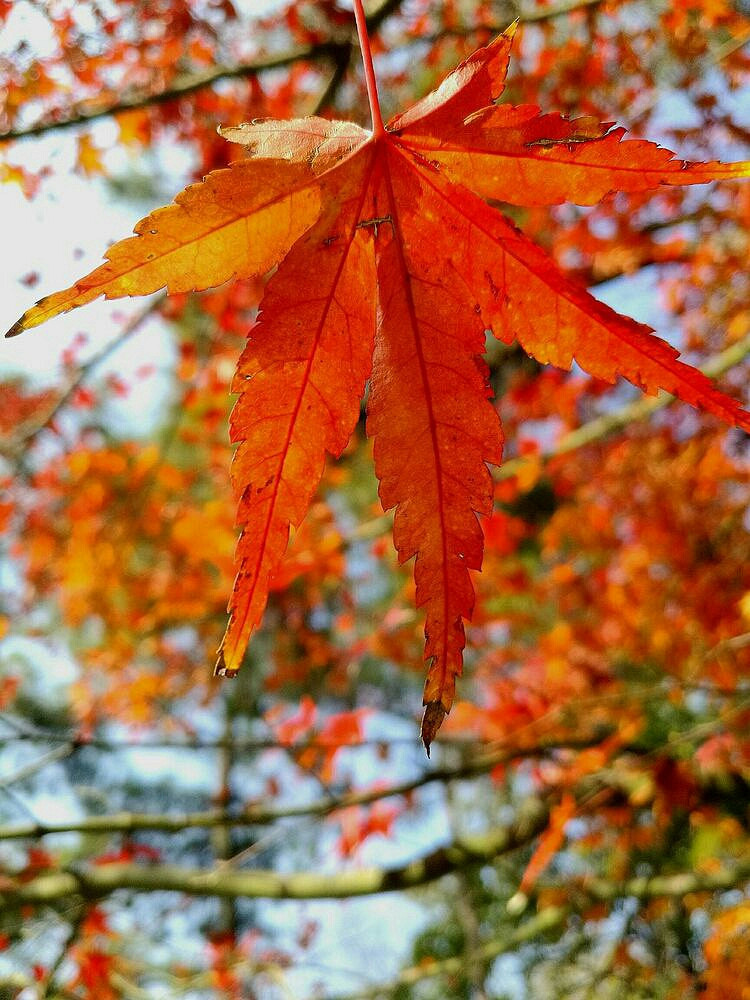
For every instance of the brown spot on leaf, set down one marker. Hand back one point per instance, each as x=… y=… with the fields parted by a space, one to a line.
x=432 y=720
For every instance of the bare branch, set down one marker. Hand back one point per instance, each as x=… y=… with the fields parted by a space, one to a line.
x=552 y=918
x=29 y=770
x=341 y=65
x=182 y=87
x=99 y=881
x=559 y=10
x=130 y=822
x=680 y=884
x=238 y=743
x=74 y=932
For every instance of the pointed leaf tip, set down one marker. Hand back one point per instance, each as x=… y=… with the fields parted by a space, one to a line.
x=221 y=669
x=18 y=327
x=432 y=720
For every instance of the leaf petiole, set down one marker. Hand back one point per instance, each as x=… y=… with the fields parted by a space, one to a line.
x=378 y=128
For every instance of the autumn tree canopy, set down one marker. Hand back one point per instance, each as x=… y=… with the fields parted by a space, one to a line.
x=583 y=826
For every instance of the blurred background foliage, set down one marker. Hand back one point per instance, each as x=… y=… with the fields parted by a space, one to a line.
x=583 y=827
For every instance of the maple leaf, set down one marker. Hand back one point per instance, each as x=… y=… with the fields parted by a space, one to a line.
x=392 y=267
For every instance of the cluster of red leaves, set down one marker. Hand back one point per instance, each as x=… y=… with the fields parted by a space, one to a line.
x=324 y=741
x=359 y=823
x=655 y=574
x=95 y=962
x=127 y=853
x=237 y=965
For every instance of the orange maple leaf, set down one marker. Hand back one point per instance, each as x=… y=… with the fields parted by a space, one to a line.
x=392 y=268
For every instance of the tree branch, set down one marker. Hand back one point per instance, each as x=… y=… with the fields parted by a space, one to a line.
x=98 y=881
x=341 y=65
x=130 y=822
x=551 y=918
x=193 y=82
x=236 y=743
x=29 y=770
x=74 y=932
x=182 y=87
x=12 y=447
x=680 y=884
x=641 y=409
x=338 y=51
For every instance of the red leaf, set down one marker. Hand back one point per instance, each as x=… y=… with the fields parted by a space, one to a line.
x=396 y=257
x=434 y=427
x=298 y=725
x=297 y=398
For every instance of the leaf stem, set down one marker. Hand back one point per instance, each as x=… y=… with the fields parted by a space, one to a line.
x=378 y=128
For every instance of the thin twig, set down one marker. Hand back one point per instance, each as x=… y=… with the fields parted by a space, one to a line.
x=260 y=815
x=29 y=770
x=561 y=9
x=19 y=443
x=341 y=65
x=731 y=46
x=238 y=743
